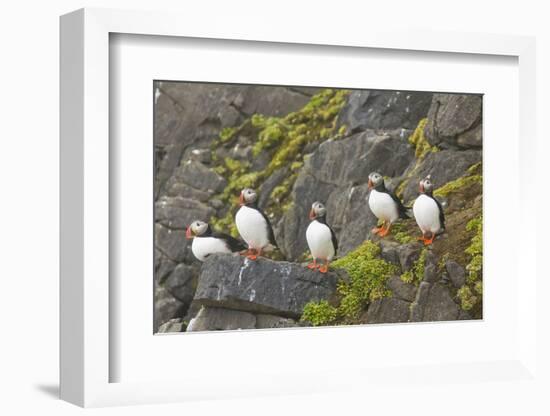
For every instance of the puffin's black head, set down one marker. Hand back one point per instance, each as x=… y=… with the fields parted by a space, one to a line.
x=196 y=229
x=248 y=196
x=426 y=186
x=318 y=210
x=376 y=180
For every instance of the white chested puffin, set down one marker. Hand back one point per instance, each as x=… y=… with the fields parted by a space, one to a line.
x=428 y=212
x=253 y=225
x=206 y=241
x=320 y=238
x=385 y=205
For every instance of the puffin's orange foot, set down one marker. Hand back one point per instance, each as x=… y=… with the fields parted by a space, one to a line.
x=252 y=256
x=376 y=230
x=384 y=232
x=313 y=266
x=323 y=268
x=427 y=242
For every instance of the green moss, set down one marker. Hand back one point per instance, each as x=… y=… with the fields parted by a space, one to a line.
x=422 y=147
x=442 y=262
x=471 y=294
x=475 y=250
x=403 y=238
x=416 y=273
x=272 y=131
x=476 y=169
x=368 y=274
x=227 y=134
x=457 y=185
x=296 y=166
x=478 y=287
x=279 y=192
x=226 y=223
x=467 y=298
x=419 y=141
x=319 y=313
x=342 y=131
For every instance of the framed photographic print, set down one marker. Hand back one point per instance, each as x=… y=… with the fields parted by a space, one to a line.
x=282 y=213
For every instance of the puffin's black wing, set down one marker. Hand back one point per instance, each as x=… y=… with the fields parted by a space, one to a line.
x=402 y=209
x=441 y=214
x=334 y=240
x=270 y=234
x=233 y=244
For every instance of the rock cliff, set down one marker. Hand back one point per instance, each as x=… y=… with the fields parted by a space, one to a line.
x=297 y=145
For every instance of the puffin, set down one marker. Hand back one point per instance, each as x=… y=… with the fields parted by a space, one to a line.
x=320 y=238
x=206 y=241
x=428 y=212
x=385 y=205
x=253 y=225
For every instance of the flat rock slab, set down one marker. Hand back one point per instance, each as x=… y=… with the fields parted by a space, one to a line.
x=262 y=286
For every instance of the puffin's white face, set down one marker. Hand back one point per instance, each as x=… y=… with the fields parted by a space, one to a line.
x=317 y=210
x=426 y=185
x=248 y=196
x=375 y=179
x=197 y=228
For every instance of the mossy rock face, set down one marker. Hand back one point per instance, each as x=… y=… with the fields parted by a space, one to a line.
x=323 y=149
x=367 y=275
x=280 y=141
x=443 y=166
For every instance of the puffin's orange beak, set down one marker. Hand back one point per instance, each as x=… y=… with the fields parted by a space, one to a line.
x=370 y=184
x=241 y=199
x=312 y=215
x=189 y=233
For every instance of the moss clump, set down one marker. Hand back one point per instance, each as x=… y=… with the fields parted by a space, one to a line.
x=227 y=134
x=225 y=223
x=419 y=141
x=368 y=274
x=416 y=273
x=475 y=249
x=457 y=185
x=319 y=313
x=422 y=147
x=478 y=287
x=467 y=298
x=342 y=131
x=470 y=295
x=403 y=238
x=272 y=130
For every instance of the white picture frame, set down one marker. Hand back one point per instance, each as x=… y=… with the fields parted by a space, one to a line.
x=85 y=213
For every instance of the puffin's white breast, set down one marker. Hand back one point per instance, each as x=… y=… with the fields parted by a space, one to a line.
x=319 y=240
x=426 y=214
x=252 y=227
x=203 y=246
x=383 y=206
